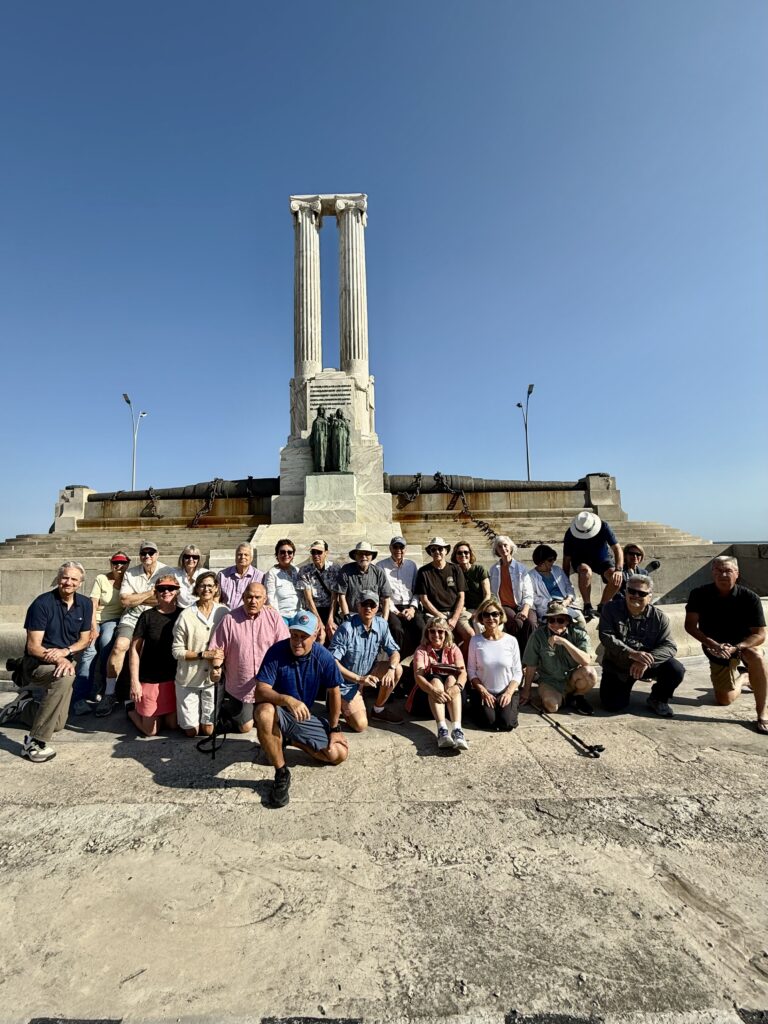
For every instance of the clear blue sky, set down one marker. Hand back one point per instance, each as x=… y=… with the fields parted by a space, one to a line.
x=567 y=192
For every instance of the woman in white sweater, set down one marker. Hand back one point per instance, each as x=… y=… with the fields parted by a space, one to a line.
x=195 y=693
x=494 y=671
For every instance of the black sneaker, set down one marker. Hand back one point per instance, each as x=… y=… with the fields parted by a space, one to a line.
x=279 y=796
x=580 y=704
x=589 y=613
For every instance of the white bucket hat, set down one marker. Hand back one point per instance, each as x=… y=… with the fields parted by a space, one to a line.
x=438 y=542
x=585 y=525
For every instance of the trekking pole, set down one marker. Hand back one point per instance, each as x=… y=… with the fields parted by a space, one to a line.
x=202 y=745
x=591 y=749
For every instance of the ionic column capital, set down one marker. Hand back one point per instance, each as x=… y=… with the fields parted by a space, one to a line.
x=313 y=207
x=342 y=205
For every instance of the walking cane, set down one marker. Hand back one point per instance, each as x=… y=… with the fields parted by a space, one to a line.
x=591 y=749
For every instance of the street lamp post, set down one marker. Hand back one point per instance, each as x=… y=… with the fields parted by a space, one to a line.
x=524 y=411
x=135 y=422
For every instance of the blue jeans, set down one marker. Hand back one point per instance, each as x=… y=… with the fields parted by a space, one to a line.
x=102 y=646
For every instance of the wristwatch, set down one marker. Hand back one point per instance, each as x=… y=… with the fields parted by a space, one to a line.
x=334 y=728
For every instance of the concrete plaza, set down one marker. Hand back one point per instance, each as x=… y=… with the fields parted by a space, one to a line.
x=144 y=881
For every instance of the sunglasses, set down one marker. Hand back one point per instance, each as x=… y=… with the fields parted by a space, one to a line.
x=119 y=565
x=188 y=558
x=165 y=590
x=462 y=554
x=146 y=552
x=638 y=593
x=633 y=554
x=368 y=604
x=560 y=620
x=491 y=615
x=285 y=551
x=437 y=632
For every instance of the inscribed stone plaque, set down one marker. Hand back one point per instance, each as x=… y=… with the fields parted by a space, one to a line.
x=333 y=395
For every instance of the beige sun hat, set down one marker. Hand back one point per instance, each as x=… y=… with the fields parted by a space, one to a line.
x=438 y=542
x=363 y=548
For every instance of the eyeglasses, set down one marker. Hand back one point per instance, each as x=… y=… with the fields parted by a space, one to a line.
x=165 y=590
x=437 y=632
x=491 y=615
x=368 y=604
x=146 y=552
x=462 y=554
x=559 y=620
x=285 y=551
x=206 y=586
x=400 y=546
x=633 y=554
x=193 y=558
x=638 y=593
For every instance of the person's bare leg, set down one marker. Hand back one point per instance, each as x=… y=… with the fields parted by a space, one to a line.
x=437 y=708
x=755 y=662
x=117 y=657
x=385 y=692
x=245 y=727
x=145 y=724
x=270 y=736
x=582 y=680
x=610 y=589
x=585 y=583
x=336 y=752
x=550 y=698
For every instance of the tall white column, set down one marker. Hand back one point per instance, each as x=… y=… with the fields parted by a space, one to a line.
x=307 y=324
x=353 y=292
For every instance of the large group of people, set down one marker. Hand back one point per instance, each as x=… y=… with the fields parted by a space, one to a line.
x=456 y=639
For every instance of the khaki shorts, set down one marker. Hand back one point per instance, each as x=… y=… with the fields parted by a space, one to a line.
x=195 y=705
x=726 y=677
x=355 y=706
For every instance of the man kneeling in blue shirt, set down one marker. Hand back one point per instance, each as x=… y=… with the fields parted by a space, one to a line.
x=286 y=687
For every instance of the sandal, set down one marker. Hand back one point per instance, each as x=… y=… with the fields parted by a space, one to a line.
x=762 y=726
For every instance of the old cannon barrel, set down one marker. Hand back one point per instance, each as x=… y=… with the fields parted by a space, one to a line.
x=248 y=488
x=395 y=483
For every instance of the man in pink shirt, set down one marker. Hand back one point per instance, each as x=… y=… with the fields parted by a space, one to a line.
x=245 y=636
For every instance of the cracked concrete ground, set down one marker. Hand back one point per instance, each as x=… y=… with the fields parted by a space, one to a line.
x=142 y=880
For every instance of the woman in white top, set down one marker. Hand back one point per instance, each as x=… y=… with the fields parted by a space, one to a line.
x=282 y=581
x=190 y=567
x=195 y=693
x=494 y=671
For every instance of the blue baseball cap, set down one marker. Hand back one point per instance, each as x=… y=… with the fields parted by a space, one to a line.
x=304 y=622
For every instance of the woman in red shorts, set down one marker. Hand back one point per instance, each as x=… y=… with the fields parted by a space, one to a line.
x=153 y=666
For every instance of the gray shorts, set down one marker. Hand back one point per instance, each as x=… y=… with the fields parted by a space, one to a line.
x=313 y=733
x=239 y=711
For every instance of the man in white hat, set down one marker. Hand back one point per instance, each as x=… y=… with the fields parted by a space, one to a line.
x=440 y=585
x=590 y=546
x=361 y=574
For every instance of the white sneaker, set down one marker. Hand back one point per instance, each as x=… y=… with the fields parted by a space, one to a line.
x=36 y=750
x=459 y=739
x=444 y=741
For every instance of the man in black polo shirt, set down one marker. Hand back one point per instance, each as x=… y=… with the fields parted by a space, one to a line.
x=728 y=621
x=58 y=626
x=441 y=586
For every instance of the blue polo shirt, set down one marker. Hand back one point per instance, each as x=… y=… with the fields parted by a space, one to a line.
x=357 y=648
x=61 y=626
x=299 y=677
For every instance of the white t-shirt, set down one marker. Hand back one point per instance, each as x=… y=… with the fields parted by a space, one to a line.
x=494 y=662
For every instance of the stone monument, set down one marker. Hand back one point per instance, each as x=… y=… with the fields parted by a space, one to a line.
x=332 y=465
